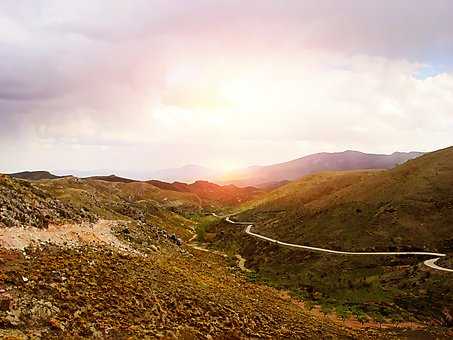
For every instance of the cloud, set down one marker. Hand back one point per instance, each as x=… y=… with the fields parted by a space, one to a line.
x=255 y=81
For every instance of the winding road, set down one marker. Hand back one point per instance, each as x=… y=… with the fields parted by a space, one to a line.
x=430 y=263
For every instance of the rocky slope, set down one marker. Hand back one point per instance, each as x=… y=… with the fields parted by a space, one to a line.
x=22 y=204
x=73 y=283
x=133 y=276
x=91 y=292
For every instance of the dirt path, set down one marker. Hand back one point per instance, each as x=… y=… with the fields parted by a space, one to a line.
x=241 y=263
x=195 y=245
x=68 y=235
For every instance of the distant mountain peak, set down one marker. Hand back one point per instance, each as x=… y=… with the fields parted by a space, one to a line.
x=318 y=162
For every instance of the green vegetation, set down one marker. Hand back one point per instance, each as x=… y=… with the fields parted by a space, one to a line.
x=203 y=223
x=365 y=288
x=407 y=208
x=251 y=276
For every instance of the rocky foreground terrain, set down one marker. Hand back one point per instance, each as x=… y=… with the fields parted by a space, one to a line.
x=147 y=286
x=23 y=204
x=64 y=273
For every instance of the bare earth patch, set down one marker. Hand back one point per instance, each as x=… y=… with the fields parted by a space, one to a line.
x=68 y=235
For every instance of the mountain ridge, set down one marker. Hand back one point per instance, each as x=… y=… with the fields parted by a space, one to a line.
x=404 y=209
x=322 y=161
x=391 y=198
x=34 y=175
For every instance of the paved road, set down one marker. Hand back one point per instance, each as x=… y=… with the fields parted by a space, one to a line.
x=430 y=263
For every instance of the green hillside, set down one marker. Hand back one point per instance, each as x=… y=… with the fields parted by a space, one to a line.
x=409 y=207
x=406 y=208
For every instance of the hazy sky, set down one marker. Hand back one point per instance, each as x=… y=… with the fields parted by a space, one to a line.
x=153 y=84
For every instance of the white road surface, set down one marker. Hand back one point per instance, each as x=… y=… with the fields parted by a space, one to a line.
x=430 y=263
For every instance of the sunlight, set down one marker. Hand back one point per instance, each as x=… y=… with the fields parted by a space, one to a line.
x=225 y=165
x=245 y=93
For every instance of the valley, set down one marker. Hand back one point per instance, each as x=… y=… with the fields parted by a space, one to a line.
x=226 y=170
x=198 y=260
x=92 y=258
x=401 y=218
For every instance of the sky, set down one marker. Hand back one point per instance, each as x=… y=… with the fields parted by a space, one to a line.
x=143 y=84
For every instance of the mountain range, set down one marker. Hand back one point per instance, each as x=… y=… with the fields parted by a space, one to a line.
x=166 y=242
x=264 y=177
x=336 y=161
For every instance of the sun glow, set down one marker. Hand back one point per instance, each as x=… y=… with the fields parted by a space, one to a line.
x=245 y=93
x=226 y=165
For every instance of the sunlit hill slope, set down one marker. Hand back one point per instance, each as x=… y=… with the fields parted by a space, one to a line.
x=408 y=207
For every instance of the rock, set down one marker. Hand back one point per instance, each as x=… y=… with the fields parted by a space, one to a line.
x=171 y=335
x=154 y=248
x=54 y=323
x=447 y=317
x=209 y=237
x=5 y=302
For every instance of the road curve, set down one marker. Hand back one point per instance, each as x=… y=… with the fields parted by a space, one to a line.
x=430 y=263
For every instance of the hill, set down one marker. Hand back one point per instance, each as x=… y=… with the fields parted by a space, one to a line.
x=406 y=208
x=410 y=206
x=111 y=178
x=127 y=276
x=22 y=203
x=211 y=192
x=34 y=175
x=111 y=267
x=337 y=161
x=203 y=192
x=138 y=201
